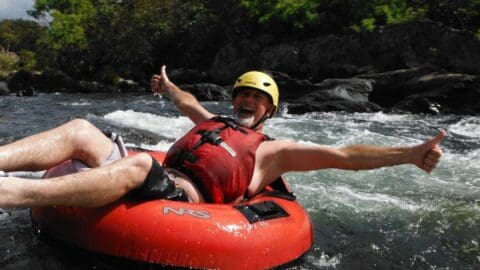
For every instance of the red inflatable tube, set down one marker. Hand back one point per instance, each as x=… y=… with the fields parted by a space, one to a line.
x=262 y=233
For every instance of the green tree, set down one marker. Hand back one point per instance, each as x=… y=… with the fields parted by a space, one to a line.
x=298 y=13
x=397 y=11
x=20 y=34
x=27 y=60
x=105 y=39
x=8 y=62
x=459 y=14
x=65 y=44
x=18 y=43
x=387 y=12
x=102 y=38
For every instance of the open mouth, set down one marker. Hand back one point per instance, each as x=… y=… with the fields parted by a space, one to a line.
x=245 y=112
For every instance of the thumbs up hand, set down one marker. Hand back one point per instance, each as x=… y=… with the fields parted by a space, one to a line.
x=428 y=154
x=160 y=83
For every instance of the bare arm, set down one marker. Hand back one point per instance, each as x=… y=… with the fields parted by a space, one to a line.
x=185 y=102
x=299 y=157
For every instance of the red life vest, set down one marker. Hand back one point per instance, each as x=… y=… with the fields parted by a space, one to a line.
x=219 y=156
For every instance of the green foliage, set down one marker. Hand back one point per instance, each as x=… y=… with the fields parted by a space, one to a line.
x=19 y=34
x=65 y=44
x=366 y=25
x=18 y=44
x=97 y=38
x=298 y=13
x=459 y=14
x=397 y=11
x=27 y=60
x=387 y=12
x=66 y=30
x=8 y=62
x=333 y=15
x=193 y=28
x=108 y=39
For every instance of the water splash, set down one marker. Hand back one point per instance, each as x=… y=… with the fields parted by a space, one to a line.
x=469 y=127
x=172 y=127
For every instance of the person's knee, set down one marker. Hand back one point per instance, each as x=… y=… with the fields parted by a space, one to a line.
x=79 y=132
x=78 y=124
x=88 y=143
x=141 y=164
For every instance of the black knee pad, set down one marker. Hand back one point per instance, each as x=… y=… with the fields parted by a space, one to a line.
x=158 y=185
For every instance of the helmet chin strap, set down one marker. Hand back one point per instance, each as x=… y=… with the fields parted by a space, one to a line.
x=261 y=120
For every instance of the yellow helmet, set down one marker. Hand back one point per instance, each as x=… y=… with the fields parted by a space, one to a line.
x=259 y=81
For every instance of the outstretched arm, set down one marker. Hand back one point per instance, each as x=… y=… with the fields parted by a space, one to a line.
x=297 y=157
x=185 y=102
x=274 y=158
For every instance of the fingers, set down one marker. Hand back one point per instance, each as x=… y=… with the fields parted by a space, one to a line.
x=430 y=153
x=153 y=83
x=438 y=138
x=157 y=81
x=164 y=73
x=431 y=159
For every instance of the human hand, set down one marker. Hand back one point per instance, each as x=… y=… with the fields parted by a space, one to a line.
x=160 y=83
x=428 y=154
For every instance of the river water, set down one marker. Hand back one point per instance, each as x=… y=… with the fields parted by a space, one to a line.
x=390 y=218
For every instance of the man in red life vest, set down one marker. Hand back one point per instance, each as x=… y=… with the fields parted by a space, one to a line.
x=110 y=175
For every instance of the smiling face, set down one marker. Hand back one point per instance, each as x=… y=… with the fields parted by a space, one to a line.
x=250 y=105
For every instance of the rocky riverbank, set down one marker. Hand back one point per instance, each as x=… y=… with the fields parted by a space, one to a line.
x=421 y=67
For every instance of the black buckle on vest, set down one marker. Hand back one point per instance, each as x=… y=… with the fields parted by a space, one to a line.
x=210 y=136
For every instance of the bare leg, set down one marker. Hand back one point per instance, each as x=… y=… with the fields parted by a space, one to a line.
x=77 y=139
x=95 y=187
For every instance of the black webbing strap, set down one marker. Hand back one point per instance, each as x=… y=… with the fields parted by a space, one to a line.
x=229 y=122
x=208 y=136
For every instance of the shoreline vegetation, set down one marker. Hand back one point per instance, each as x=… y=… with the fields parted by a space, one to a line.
x=353 y=56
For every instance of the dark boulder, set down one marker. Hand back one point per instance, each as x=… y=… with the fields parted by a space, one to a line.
x=207 y=91
x=125 y=86
x=335 y=105
x=229 y=63
x=424 y=90
x=447 y=93
x=4 y=89
x=395 y=47
x=20 y=81
x=284 y=57
x=333 y=56
x=350 y=95
x=94 y=87
x=26 y=92
x=242 y=56
x=353 y=89
x=388 y=88
x=53 y=81
x=187 y=76
x=423 y=43
x=290 y=88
